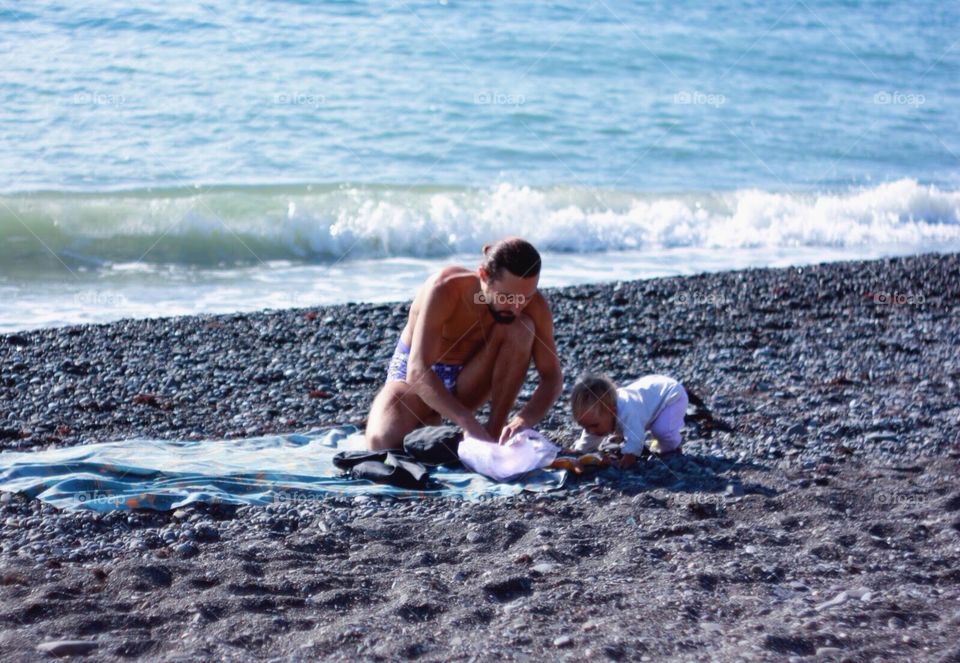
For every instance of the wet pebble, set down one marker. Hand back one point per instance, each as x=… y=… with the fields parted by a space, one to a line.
x=563 y=641
x=61 y=648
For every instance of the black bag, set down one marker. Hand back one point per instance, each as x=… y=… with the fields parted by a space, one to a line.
x=434 y=445
x=389 y=467
x=346 y=460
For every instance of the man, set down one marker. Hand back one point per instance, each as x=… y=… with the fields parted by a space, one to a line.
x=469 y=338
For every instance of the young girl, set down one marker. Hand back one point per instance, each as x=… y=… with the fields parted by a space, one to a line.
x=654 y=402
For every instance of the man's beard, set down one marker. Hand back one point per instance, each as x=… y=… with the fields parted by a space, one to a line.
x=501 y=317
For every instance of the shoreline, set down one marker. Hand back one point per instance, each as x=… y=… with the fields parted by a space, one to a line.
x=30 y=302
x=825 y=527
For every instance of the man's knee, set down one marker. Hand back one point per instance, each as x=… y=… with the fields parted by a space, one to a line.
x=391 y=396
x=381 y=441
x=397 y=408
x=519 y=333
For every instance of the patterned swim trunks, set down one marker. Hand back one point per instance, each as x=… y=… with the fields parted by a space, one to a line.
x=398 y=368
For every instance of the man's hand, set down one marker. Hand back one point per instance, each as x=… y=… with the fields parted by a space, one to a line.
x=627 y=461
x=513 y=427
x=477 y=432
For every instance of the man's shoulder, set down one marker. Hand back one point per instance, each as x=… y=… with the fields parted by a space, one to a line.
x=538 y=308
x=454 y=277
x=449 y=287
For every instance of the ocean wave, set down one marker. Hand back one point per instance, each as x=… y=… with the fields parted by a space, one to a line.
x=214 y=226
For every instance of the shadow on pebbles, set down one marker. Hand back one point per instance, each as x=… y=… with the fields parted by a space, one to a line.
x=862 y=566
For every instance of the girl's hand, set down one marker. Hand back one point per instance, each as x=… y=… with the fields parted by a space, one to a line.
x=627 y=461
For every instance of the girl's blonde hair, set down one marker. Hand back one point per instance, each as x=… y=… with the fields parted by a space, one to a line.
x=591 y=389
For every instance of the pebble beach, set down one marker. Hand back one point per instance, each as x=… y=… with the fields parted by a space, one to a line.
x=825 y=526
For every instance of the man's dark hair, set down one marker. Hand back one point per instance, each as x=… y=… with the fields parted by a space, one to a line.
x=512 y=254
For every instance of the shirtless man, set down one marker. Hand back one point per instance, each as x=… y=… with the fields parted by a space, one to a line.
x=468 y=339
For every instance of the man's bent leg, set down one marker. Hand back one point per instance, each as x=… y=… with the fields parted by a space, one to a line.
x=509 y=372
x=498 y=369
x=396 y=411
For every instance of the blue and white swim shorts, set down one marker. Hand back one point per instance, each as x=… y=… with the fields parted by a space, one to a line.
x=397 y=370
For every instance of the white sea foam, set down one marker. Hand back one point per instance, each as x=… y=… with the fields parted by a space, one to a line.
x=143 y=253
x=206 y=228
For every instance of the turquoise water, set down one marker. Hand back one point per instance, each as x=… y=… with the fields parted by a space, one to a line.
x=189 y=146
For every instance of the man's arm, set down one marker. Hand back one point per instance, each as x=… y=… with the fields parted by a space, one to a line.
x=548 y=366
x=425 y=350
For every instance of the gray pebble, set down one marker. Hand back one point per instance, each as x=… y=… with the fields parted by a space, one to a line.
x=563 y=641
x=796 y=430
x=67 y=647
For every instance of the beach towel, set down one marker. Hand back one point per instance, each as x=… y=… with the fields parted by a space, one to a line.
x=156 y=474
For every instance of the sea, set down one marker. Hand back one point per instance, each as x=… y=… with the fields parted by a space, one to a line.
x=168 y=158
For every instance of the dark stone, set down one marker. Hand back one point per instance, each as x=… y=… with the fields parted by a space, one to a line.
x=508 y=589
x=789 y=644
x=153 y=577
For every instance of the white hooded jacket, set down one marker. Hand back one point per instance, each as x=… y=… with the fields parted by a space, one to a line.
x=638 y=404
